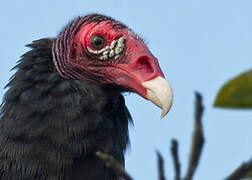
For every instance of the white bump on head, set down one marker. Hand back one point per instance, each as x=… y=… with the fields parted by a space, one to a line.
x=104 y=57
x=117 y=56
x=112 y=53
x=105 y=53
x=114 y=50
x=113 y=44
x=118 y=50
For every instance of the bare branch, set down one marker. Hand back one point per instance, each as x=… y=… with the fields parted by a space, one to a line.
x=160 y=167
x=112 y=164
x=175 y=157
x=198 y=138
x=241 y=172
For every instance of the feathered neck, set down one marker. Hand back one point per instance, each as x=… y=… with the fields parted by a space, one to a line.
x=41 y=104
x=48 y=123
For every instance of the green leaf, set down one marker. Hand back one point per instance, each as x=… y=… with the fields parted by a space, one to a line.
x=236 y=93
x=249 y=175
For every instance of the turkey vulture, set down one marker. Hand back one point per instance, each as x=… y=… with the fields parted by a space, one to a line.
x=64 y=102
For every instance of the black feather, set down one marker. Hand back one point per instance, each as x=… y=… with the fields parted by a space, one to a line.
x=50 y=127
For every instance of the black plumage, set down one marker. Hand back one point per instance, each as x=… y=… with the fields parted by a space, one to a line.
x=50 y=126
x=64 y=102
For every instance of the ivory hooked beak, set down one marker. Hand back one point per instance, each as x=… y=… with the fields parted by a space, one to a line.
x=160 y=93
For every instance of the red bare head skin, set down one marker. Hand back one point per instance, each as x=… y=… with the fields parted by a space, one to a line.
x=104 y=51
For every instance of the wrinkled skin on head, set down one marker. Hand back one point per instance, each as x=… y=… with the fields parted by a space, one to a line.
x=121 y=58
x=64 y=102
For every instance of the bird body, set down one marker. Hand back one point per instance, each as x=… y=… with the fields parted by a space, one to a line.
x=60 y=107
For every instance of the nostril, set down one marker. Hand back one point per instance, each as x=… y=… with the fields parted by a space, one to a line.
x=144 y=68
x=143 y=65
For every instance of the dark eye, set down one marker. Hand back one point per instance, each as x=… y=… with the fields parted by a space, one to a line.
x=97 y=42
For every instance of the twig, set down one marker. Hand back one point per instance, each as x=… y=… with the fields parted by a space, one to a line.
x=112 y=164
x=198 y=139
x=174 y=152
x=241 y=172
x=160 y=167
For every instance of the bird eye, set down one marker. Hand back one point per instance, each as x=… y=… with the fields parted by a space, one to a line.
x=97 y=42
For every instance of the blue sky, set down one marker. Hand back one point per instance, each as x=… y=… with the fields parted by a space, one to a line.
x=199 y=44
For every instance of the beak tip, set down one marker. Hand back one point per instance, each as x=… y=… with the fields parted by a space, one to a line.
x=160 y=93
x=162 y=116
x=165 y=111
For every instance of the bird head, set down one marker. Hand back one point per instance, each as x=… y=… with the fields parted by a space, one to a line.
x=101 y=50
